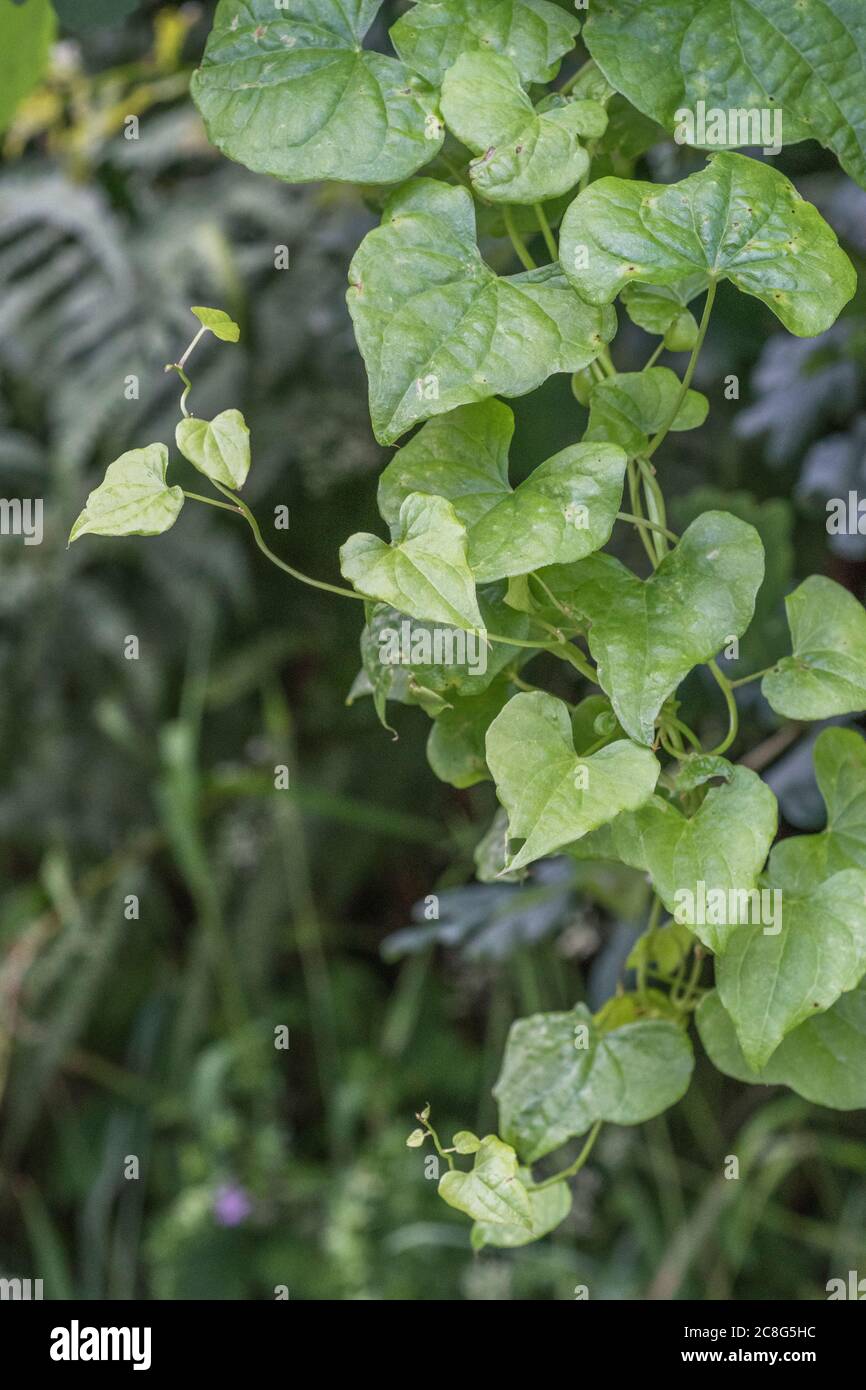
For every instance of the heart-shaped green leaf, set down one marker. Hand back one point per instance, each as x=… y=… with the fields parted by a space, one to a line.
x=133 y=499
x=217 y=322
x=561 y=1074
x=551 y=794
x=534 y=34
x=823 y=1060
x=491 y=1191
x=826 y=674
x=562 y=512
x=770 y=68
x=526 y=155
x=548 y=1208
x=293 y=92
x=771 y=979
x=736 y=220
x=840 y=768
x=438 y=329
x=424 y=571
x=219 y=448
x=647 y=635
x=629 y=406
x=702 y=865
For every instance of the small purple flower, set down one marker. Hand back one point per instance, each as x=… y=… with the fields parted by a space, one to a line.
x=231 y=1205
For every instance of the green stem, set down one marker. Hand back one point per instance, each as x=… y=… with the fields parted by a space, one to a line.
x=745 y=680
x=655 y=505
x=546 y=232
x=607 y=364
x=637 y=511
x=733 y=714
x=176 y=367
x=653 y=525
x=575 y=1167
x=689 y=734
x=567 y=86
x=654 y=357
x=211 y=501
x=690 y=371
x=443 y=1153
x=517 y=240
x=275 y=559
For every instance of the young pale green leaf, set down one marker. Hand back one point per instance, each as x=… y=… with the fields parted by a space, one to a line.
x=711 y=859
x=465 y=1142
x=133 y=499
x=294 y=93
x=491 y=1191
x=736 y=220
x=437 y=328
x=548 y=1208
x=562 y=512
x=561 y=1073
x=455 y=745
x=424 y=572
x=647 y=635
x=551 y=794
x=217 y=322
x=826 y=673
x=219 y=448
x=824 y=1060
x=768 y=68
x=628 y=407
x=525 y=155
x=772 y=979
x=840 y=767
x=534 y=34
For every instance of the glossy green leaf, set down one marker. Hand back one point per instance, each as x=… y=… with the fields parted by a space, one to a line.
x=491 y=1191
x=826 y=673
x=547 y=1210
x=424 y=572
x=562 y=512
x=437 y=328
x=293 y=93
x=771 y=980
x=534 y=34
x=219 y=448
x=217 y=322
x=560 y=1074
x=736 y=220
x=26 y=34
x=646 y=635
x=800 y=60
x=630 y=406
x=824 y=1060
x=840 y=768
x=553 y=795
x=133 y=499
x=525 y=155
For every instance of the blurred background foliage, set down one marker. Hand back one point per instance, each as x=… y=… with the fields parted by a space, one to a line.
x=154 y=1037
